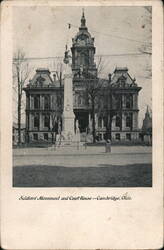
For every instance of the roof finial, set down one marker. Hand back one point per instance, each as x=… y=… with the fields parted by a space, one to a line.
x=83 y=21
x=147 y=114
x=83 y=13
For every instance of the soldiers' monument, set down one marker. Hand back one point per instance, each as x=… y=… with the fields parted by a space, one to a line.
x=68 y=114
x=68 y=135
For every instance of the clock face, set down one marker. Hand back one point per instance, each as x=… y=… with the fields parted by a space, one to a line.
x=82 y=39
x=81 y=42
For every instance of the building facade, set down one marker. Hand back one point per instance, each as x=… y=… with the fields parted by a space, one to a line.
x=44 y=106
x=115 y=102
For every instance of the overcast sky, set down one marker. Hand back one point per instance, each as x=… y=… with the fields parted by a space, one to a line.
x=43 y=32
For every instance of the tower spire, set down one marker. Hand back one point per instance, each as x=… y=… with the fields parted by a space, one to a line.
x=147 y=111
x=83 y=20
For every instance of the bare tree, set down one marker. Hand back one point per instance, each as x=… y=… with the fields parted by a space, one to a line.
x=93 y=87
x=57 y=99
x=58 y=70
x=20 y=74
x=101 y=64
x=57 y=107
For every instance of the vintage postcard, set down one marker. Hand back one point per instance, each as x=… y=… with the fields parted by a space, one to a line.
x=81 y=124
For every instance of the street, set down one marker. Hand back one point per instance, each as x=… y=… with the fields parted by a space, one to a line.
x=125 y=166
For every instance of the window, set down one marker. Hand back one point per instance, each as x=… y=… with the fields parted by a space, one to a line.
x=80 y=100
x=36 y=121
x=118 y=101
x=104 y=136
x=128 y=137
x=35 y=137
x=105 y=121
x=47 y=121
x=122 y=83
x=128 y=101
x=128 y=121
x=117 y=136
x=47 y=102
x=36 y=102
x=118 y=121
x=46 y=137
x=128 y=104
x=100 y=137
x=100 y=122
x=84 y=59
x=59 y=100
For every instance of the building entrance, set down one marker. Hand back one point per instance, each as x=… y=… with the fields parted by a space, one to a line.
x=83 y=118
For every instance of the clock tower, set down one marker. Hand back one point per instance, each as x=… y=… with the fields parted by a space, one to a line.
x=83 y=51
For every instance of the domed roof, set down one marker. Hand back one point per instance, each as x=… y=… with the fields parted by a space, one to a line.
x=83 y=37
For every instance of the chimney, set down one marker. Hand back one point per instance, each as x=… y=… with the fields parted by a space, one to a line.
x=109 y=78
x=54 y=77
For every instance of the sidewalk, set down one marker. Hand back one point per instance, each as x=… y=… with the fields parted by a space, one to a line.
x=93 y=150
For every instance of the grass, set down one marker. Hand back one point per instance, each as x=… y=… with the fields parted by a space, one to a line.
x=133 y=175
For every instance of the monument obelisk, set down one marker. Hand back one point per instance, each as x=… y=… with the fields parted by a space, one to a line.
x=68 y=114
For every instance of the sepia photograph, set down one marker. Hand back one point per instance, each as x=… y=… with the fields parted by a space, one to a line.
x=81 y=131
x=82 y=96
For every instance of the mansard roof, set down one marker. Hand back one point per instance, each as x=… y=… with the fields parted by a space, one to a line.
x=121 y=78
x=43 y=79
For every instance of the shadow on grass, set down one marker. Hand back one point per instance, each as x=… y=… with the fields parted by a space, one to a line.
x=135 y=175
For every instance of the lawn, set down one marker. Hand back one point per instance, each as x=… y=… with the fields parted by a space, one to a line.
x=104 y=175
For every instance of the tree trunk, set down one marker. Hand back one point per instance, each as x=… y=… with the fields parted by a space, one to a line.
x=108 y=127
x=109 y=119
x=19 y=118
x=52 y=137
x=93 y=121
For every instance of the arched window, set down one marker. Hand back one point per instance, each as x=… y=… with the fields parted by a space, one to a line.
x=128 y=121
x=36 y=121
x=118 y=121
x=47 y=102
x=36 y=102
x=47 y=121
x=84 y=59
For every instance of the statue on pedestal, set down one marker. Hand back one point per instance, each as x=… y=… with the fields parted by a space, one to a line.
x=68 y=132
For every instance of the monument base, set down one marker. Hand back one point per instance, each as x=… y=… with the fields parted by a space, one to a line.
x=68 y=125
x=68 y=140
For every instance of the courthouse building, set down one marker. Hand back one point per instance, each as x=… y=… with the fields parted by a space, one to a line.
x=116 y=105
